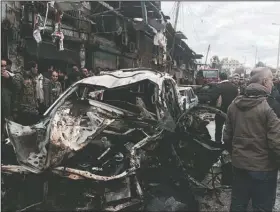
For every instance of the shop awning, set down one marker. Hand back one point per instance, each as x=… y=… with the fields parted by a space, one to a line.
x=48 y=50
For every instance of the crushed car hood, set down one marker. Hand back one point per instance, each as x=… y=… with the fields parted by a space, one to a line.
x=126 y=77
x=68 y=130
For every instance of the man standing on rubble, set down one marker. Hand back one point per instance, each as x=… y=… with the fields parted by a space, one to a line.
x=226 y=91
x=252 y=136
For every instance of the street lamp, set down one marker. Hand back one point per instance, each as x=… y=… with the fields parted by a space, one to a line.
x=277 y=65
x=256 y=54
x=244 y=60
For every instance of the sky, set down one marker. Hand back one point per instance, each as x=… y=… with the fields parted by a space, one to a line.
x=233 y=29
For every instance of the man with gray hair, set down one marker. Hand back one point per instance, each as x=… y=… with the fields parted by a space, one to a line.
x=252 y=136
x=271 y=99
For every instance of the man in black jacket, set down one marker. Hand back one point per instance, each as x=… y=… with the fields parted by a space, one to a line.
x=73 y=76
x=252 y=136
x=9 y=88
x=228 y=91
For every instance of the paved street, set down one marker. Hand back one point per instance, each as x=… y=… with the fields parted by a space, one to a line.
x=209 y=202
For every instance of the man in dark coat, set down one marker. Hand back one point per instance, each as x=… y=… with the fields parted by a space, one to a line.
x=73 y=76
x=10 y=84
x=277 y=84
x=252 y=135
x=48 y=73
x=275 y=94
x=62 y=78
x=227 y=91
x=272 y=98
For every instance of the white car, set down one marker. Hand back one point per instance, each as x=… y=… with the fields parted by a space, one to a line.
x=187 y=97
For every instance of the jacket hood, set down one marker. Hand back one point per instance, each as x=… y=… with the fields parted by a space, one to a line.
x=255 y=94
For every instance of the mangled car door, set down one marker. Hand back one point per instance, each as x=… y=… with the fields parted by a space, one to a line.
x=171 y=108
x=57 y=137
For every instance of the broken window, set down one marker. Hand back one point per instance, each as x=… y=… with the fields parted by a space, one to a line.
x=134 y=97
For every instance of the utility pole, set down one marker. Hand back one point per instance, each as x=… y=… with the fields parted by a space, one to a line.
x=245 y=60
x=278 y=54
x=207 y=54
x=175 y=27
x=256 y=55
x=144 y=12
x=278 y=51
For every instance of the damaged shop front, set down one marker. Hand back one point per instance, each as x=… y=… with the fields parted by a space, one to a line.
x=54 y=34
x=46 y=54
x=106 y=56
x=104 y=53
x=112 y=142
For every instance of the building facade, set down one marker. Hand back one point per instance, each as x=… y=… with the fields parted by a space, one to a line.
x=93 y=34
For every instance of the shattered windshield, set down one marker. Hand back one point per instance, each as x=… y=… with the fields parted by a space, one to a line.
x=133 y=97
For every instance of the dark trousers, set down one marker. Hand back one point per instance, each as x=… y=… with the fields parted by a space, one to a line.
x=219 y=122
x=260 y=186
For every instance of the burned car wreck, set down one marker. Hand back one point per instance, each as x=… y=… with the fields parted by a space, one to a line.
x=113 y=142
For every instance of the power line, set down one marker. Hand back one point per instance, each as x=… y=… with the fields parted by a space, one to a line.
x=175 y=27
x=172 y=11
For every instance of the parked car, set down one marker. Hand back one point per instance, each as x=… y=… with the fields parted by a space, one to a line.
x=110 y=142
x=187 y=97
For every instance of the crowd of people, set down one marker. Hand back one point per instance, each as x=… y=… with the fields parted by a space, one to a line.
x=252 y=136
x=27 y=94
